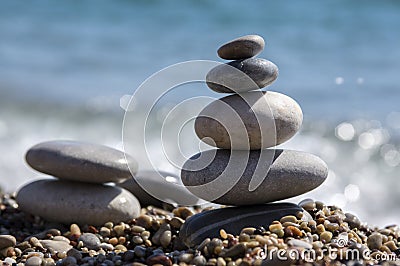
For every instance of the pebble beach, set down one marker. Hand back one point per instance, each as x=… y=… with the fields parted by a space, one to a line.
x=335 y=237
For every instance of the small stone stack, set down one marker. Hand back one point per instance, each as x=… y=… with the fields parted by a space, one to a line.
x=79 y=193
x=243 y=125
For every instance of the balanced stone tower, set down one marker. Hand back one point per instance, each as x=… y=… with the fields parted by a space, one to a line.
x=245 y=126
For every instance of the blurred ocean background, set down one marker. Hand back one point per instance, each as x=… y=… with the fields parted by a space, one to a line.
x=66 y=67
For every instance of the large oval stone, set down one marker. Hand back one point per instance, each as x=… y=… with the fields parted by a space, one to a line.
x=73 y=202
x=242 y=47
x=207 y=224
x=79 y=161
x=155 y=188
x=255 y=177
x=242 y=75
x=252 y=120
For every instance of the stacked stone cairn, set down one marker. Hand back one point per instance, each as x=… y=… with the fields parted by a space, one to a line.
x=243 y=172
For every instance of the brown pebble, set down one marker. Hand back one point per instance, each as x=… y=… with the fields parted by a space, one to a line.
x=385 y=249
x=296 y=231
x=144 y=221
x=275 y=227
x=221 y=262
x=263 y=240
x=391 y=245
x=113 y=241
x=119 y=230
x=331 y=227
x=252 y=244
x=308 y=204
x=120 y=248
x=176 y=222
x=145 y=235
x=326 y=237
x=54 y=232
x=374 y=241
x=159 y=259
x=138 y=229
x=121 y=240
x=109 y=225
x=288 y=218
x=248 y=230
x=244 y=237
x=182 y=212
x=320 y=228
x=186 y=257
x=286 y=224
x=105 y=232
x=223 y=234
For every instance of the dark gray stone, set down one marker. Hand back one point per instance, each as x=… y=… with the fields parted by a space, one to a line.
x=252 y=120
x=266 y=176
x=91 y=241
x=79 y=161
x=74 y=202
x=156 y=188
x=207 y=224
x=242 y=47
x=242 y=75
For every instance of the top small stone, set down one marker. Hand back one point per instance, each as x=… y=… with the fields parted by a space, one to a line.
x=242 y=47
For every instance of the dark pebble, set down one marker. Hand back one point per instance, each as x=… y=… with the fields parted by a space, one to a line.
x=159 y=259
x=242 y=75
x=232 y=220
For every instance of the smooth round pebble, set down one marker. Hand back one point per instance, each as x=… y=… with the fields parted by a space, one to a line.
x=73 y=202
x=228 y=178
x=242 y=75
x=232 y=220
x=300 y=243
x=80 y=161
x=242 y=47
x=308 y=204
x=34 y=261
x=249 y=121
x=57 y=246
x=156 y=188
x=375 y=241
x=7 y=241
x=91 y=241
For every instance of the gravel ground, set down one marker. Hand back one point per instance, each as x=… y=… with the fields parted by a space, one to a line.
x=332 y=237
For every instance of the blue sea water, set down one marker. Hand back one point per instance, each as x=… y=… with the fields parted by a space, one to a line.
x=64 y=66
